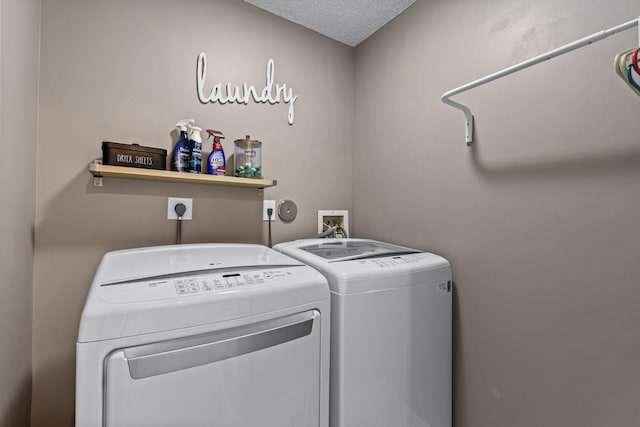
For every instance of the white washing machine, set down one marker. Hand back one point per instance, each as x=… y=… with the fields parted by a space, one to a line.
x=225 y=335
x=390 y=331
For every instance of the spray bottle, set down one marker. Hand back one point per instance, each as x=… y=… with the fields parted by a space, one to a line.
x=180 y=155
x=195 y=150
x=216 y=163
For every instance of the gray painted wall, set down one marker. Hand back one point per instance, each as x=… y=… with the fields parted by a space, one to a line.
x=539 y=218
x=125 y=71
x=19 y=53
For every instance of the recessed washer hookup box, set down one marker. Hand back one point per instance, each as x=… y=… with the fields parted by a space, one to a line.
x=133 y=155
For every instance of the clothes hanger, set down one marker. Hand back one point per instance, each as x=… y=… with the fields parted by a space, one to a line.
x=623 y=62
x=628 y=61
x=626 y=65
x=630 y=77
x=620 y=63
x=634 y=60
x=616 y=64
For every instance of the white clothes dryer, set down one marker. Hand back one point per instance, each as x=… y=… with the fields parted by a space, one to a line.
x=225 y=335
x=391 y=326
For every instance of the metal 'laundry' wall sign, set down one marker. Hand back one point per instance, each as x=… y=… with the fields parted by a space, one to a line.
x=241 y=94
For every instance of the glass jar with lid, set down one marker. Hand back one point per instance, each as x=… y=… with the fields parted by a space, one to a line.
x=247 y=155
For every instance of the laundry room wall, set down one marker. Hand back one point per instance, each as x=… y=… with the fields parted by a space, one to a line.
x=539 y=217
x=125 y=71
x=19 y=20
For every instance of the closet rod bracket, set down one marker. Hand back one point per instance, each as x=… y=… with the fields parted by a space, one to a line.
x=585 y=41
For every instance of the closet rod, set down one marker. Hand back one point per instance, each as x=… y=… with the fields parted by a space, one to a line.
x=526 y=64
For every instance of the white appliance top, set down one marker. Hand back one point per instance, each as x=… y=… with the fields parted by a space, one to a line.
x=335 y=250
x=363 y=265
x=144 y=263
x=155 y=289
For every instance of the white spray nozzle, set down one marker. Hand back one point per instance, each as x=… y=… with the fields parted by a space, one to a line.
x=195 y=133
x=182 y=125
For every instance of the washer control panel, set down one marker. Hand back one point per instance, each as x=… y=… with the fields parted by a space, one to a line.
x=218 y=282
x=396 y=261
x=194 y=285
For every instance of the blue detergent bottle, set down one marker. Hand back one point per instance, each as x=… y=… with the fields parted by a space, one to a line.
x=216 y=163
x=195 y=150
x=180 y=155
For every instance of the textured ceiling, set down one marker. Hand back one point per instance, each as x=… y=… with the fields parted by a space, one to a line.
x=347 y=21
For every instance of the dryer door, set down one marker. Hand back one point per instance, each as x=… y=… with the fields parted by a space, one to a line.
x=265 y=374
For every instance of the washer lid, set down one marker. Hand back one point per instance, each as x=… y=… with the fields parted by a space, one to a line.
x=336 y=250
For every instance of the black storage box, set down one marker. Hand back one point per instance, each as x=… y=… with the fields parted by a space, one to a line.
x=133 y=155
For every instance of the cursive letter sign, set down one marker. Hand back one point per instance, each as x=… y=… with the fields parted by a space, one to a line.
x=240 y=94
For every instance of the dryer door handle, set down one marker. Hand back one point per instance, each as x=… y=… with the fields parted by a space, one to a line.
x=173 y=355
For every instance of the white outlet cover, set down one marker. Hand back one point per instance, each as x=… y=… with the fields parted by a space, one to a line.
x=171 y=210
x=266 y=204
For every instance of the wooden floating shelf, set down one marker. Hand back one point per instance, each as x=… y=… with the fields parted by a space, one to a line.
x=100 y=170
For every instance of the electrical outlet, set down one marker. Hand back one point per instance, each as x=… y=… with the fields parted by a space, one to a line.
x=268 y=204
x=171 y=208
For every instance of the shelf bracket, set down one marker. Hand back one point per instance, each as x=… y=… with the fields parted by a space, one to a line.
x=600 y=35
